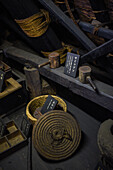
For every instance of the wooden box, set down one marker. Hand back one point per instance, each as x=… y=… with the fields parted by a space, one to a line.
x=11 y=142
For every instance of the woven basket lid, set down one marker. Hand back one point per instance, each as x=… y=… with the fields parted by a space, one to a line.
x=56 y=135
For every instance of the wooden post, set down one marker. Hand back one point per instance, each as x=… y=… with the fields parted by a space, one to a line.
x=33 y=81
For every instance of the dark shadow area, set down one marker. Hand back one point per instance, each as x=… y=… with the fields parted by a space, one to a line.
x=94 y=110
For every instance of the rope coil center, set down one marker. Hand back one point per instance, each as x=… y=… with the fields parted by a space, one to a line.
x=56 y=135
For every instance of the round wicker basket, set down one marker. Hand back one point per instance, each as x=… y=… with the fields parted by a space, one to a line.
x=39 y=102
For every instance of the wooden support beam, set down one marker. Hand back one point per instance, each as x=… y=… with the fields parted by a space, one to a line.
x=104 y=99
x=68 y=23
x=99 y=51
x=33 y=81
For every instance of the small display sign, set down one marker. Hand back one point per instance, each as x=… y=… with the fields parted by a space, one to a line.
x=71 y=64
x=2 y=76
x=26 y=127
x=49 y=104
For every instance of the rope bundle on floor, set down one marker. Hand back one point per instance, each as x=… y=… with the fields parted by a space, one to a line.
x=56 y=135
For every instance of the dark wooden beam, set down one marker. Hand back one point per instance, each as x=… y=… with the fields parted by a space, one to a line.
x=99 y=51
x=68 y=23
x=104 y=99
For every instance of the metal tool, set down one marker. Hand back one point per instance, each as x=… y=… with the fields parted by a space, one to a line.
x=84 y=76
x=54 y=60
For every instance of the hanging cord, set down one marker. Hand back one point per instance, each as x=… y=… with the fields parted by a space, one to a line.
x=70 y=12
x=68 y=9
x=83 y=13
x=59 y=2
x=35 y=25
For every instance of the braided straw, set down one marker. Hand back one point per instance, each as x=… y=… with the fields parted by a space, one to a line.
x=56 y=135
x=36 y=25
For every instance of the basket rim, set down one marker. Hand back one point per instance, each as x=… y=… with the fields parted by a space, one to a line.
x=28 y=105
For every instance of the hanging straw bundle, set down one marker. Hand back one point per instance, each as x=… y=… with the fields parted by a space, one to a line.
x=33 y=23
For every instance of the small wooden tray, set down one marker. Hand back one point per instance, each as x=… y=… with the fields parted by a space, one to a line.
x=15 y=138
x=4 y=145
x=11 y=126
x=12 y=141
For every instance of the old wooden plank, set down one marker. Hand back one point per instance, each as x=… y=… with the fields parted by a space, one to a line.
x=99 y=51
x=104 y=99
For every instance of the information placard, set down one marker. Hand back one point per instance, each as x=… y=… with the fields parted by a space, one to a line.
x=71 y=65
x=49 y=104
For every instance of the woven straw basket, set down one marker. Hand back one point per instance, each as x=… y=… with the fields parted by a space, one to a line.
x=39 y=102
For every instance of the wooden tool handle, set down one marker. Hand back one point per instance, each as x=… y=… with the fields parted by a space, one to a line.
x=43 y=64
x=91 y=83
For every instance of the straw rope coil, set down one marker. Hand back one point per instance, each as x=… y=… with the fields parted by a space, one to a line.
x=35 y=25
x=56 y=135
x=62 y=52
